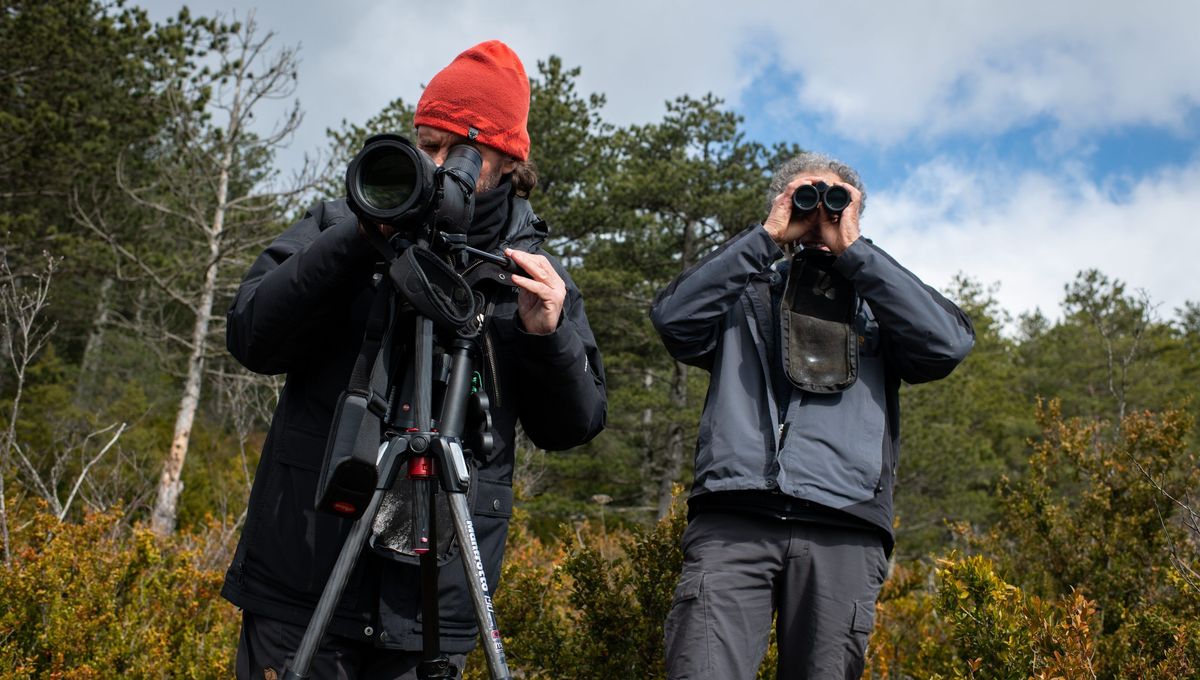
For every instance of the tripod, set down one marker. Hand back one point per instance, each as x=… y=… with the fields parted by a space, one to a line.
x=430 y=450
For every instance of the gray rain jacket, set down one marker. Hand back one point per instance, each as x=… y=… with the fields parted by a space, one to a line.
x=838 y=450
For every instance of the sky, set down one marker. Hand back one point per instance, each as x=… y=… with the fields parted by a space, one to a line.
x=1015 y=142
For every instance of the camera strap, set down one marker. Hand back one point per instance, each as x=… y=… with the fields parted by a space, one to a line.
x=348 y=471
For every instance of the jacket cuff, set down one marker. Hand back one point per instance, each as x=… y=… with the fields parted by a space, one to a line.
x=763 y=239
x=344 y=239
x=854 y=258
x=558 y=349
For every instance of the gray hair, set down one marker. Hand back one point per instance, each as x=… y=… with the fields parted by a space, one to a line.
x=810 y=162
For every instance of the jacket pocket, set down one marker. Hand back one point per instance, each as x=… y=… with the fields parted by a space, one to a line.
x=297 y=545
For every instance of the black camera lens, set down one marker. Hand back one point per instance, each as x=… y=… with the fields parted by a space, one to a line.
x=387 y=179
x=806 y=198
x=390 y=181
x=837 y=197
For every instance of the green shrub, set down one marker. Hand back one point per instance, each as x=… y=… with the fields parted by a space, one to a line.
x=100 y=600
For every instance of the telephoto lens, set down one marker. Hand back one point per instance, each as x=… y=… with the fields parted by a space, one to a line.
x=390 y=181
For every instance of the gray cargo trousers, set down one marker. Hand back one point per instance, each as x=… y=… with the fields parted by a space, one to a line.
x=738 y=569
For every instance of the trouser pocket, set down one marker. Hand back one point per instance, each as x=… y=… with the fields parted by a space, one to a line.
x=686 y=629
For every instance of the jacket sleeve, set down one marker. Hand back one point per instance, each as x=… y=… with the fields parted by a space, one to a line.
x=687 y=314
x=297 y=289
x=562 y=397
x=924 y=334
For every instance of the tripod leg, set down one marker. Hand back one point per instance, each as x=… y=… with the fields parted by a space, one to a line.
x=431 y=616
x=346 y=560
x=485 y=615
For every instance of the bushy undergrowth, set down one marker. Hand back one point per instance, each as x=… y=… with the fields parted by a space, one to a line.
x=96 y=599
x=1090 y=573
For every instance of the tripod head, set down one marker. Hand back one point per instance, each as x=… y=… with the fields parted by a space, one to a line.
x=383 y=400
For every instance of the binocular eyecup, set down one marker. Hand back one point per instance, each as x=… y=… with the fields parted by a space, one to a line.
x=834 y=197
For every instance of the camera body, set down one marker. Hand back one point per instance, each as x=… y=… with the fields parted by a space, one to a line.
x=808 y=197
x=392 y=182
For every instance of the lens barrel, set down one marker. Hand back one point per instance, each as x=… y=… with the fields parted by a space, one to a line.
x=807 y=197
x=836 y=198
x=390 y=181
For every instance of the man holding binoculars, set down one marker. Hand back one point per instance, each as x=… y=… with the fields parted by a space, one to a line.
x=302 y=309
x=791 y=508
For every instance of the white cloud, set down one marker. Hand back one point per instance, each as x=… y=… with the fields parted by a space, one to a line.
x=1032 y=231
x=933 y=68
x=878 y=72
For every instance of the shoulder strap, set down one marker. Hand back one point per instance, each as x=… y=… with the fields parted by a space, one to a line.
x=348 y=473
x=372 y=366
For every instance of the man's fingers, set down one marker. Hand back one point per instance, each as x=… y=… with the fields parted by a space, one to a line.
x=533 y=286
x=538 y=270
x=534 y=265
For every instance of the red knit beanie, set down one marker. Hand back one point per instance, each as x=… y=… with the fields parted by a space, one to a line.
x=482 y=95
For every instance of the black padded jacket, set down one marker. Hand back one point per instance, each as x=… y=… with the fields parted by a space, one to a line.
x=301 y=310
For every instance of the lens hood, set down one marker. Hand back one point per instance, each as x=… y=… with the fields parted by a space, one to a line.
x=390 y=181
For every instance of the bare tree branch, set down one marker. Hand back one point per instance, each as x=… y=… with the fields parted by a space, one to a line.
x=62 y=514
x=25 y=335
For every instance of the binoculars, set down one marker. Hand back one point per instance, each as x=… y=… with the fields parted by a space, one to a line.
x=835 y=197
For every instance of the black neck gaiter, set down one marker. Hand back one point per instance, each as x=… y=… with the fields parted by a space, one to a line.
x=491 y=216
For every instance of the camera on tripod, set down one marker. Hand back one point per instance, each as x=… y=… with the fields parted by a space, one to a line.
x=391 y=182
x=410 y=407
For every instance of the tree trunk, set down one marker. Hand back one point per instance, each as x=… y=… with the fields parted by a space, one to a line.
x=4 y=519
x=170 y=483
x=673 y=461
x=649 y=440
x=95 y=341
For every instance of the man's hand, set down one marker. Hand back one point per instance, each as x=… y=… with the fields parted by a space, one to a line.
x=540 y=301
x=817 y=229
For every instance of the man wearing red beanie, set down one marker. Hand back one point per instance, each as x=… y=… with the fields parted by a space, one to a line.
x=302 y=309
